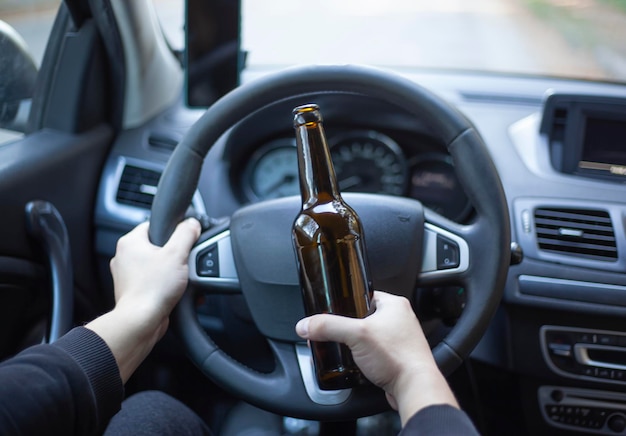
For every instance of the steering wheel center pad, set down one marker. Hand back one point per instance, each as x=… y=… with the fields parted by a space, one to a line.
x=262 y=247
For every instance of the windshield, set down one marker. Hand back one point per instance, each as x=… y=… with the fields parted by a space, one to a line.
x=570 y=38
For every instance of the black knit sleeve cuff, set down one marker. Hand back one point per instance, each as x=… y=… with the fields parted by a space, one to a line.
x=440 y=420
x=98 y=363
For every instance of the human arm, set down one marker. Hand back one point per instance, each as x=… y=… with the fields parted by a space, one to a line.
x=391 y=350
x=439 y=420
x=69 y=387
x=148 y=282
x=75 y=385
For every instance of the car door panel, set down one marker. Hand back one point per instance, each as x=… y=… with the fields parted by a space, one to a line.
x=59 y=161
x=63 y=169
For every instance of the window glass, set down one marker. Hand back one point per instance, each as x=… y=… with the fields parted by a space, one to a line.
x=32 y=20
x=565 y=38
x=171 y=15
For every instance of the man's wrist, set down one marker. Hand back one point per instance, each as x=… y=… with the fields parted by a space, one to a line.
x=129 y=335
x=419 y=388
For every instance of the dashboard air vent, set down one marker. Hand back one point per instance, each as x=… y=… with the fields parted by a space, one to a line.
x=576 y=232
x=137 y=186
x=162 y=142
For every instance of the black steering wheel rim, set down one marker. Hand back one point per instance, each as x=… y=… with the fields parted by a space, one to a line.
x=488 y=235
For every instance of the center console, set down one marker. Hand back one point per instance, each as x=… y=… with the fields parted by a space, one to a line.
x=586 y=410
x=594 y=355
x=591 y=355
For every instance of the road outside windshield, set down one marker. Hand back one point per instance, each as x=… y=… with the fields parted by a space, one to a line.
x=572 y=38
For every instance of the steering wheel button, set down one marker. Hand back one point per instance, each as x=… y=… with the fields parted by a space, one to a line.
x=208 y=262
x=447 y=253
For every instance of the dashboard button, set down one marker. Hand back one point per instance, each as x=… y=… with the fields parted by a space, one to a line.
x=207 y=263
x=589 y=371
x=607 y=339
x=564 y=350
x=447 y=253
x=617 y=423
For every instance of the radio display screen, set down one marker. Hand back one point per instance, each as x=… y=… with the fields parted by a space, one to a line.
x=604 y=146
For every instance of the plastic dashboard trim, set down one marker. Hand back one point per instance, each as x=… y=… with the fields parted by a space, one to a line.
x=117 y=212
x=528 y=241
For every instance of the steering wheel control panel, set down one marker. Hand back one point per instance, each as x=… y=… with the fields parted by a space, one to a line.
x=596 y=355
x=586 y=410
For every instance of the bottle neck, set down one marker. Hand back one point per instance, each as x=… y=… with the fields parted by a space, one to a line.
x=318 y=182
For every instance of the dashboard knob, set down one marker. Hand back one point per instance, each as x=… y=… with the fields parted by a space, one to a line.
x=557 y=395
x=617 y=423
x=517 y=255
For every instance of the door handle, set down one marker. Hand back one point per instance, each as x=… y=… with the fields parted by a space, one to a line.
x=46 y=225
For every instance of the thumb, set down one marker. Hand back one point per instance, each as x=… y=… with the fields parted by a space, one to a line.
x=184 y=236
x=329 y=328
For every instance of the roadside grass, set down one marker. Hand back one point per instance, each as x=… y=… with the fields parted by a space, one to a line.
x=597 y=26
x=562 y=16
x=617 y=4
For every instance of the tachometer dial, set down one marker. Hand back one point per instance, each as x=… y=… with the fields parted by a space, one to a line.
x=273 y=172
x=434 y=183
x=369 y=162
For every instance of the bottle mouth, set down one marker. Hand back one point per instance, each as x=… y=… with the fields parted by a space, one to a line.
x=308 y=114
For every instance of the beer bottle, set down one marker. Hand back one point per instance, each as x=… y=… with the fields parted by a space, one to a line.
x=330 y=250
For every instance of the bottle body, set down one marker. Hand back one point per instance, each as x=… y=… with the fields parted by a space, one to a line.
x=330 y=251
x=333 y=278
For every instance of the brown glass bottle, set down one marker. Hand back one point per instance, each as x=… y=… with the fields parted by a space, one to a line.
x=330 y=250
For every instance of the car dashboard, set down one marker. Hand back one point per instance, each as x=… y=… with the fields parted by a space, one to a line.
x=559 y=331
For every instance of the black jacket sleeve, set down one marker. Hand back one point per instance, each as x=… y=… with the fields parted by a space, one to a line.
x=440 y=420
x=72 y=386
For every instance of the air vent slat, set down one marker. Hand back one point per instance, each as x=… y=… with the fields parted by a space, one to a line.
x=573 y=225
x=137 y=186
x=600 y=239
x=572 y=217
x=576 y=232
x=566 y=245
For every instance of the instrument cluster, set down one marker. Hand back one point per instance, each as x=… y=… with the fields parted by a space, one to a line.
x=365 y=161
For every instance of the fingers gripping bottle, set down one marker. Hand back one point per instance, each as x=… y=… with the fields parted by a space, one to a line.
x=330 y=250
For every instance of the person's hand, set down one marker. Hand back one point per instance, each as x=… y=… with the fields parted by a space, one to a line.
x=148 y=281
x=390 y=349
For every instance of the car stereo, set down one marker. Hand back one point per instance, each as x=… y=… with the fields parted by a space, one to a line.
x=590 y=411
x=586 y=135
x=585 y=354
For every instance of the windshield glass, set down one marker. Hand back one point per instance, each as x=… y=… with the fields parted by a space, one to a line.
x=569 y=38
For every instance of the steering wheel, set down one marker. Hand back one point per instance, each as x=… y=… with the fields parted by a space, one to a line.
x=407 y=245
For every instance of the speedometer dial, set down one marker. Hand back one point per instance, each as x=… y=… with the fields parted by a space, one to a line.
x=369 y=162
x=273 y=171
